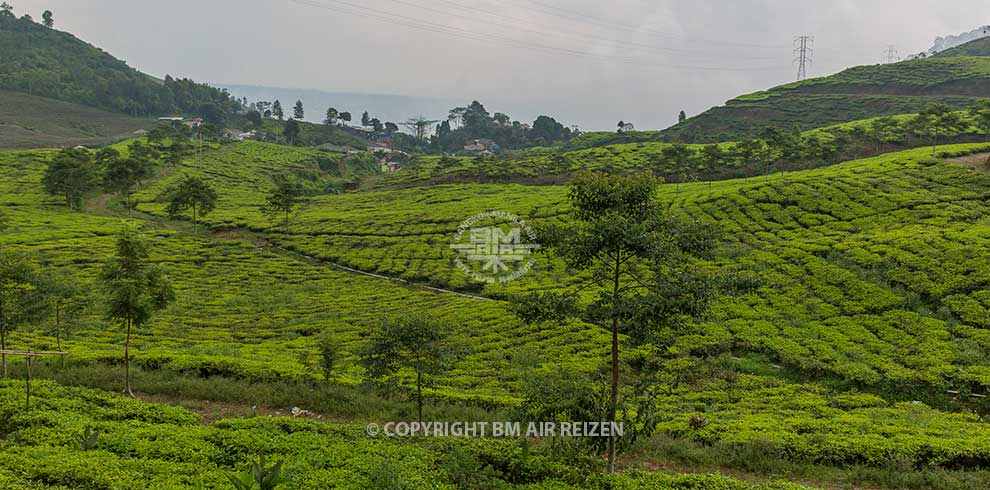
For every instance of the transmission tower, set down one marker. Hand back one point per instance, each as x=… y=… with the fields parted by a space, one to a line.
x=890 y=55
x=803 y=49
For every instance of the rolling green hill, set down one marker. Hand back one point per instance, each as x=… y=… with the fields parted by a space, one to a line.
x=46 y=62
x=28 y=121
x=874 y=301
x=959 y=78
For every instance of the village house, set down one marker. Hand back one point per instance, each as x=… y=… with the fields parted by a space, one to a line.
x=482 y=147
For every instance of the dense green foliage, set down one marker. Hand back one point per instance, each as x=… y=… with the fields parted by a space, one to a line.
x=49 y=63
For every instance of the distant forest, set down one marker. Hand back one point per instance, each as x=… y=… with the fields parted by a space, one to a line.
x=42 y=61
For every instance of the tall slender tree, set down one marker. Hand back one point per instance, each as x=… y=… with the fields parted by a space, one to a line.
x=298 y=112
x=283 y=198
x=277 y=110
x=48 y=18
x=135 y=289
x=641 y=259
x=421 y=344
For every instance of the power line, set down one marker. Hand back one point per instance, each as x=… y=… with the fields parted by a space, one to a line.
x=890 y=55
x=622 y=44
x=804 y=50
x=550 y=9
x=346 y=7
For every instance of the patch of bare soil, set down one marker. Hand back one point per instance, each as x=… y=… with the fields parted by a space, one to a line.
x=979 y=162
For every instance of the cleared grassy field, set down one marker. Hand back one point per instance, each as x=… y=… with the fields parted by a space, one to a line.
x=36 y=122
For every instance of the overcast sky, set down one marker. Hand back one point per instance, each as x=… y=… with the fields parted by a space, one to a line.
x=586 y=62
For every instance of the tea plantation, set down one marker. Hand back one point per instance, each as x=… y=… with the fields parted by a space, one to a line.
x=861 y=349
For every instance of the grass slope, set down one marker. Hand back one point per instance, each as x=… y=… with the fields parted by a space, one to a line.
x=857 y=93
x=28 y=121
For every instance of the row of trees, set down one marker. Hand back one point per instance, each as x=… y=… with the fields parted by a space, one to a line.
x=75 y=173
x=788 y=150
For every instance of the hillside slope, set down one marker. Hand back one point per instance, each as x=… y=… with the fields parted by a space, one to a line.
x=857 y=93
x=848 y=298
x=46 y=62
x=28 y=121
x=979 y=47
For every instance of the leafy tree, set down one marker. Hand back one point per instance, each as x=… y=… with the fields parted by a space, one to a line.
x=981 y=112
x=883 y=131
x=48 y=18
x=332 y=116
x=678 y=156
x=476 y=118
x=277 y=110
x=938 y=120
x=254 y=117
x=331 y=353
x=391 y=127
x=283 y=198
x=292 y=131
x=71 y=174
x=135 y=289
x=6 y=10
x=418 y=343
x=681 y=117
x=297 y=111
x=456 y=116
x=376 y=124
x=548 y=129
x=714 y=155
x=365 y=119
x=419 y=125
x=121 y=175
x=191 y=193
x=345 y=116
x=22 y=298
x=642 y=261
x=212 y=114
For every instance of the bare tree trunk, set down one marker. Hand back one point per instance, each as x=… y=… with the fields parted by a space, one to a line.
x=3 y=346
x=58 y=331
x=614 y=399
x=28 y=360
x=419 y=395
x=127 y=361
